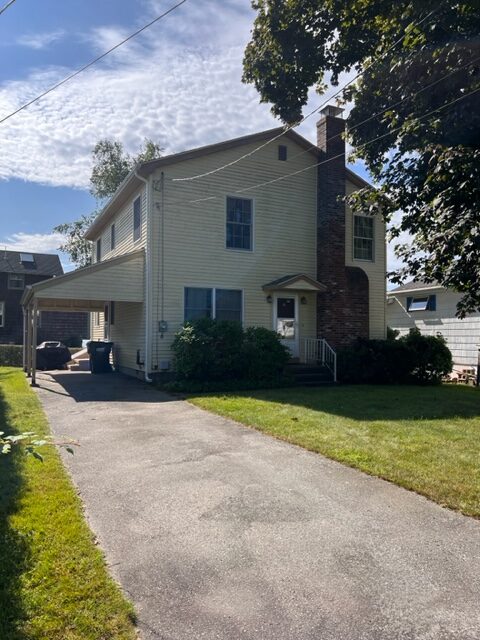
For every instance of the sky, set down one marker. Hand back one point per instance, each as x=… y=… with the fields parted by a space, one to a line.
x=178 y=83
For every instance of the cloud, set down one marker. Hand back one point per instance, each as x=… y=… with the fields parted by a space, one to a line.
x=40 y=40
x=33 y=242
x=179 y=84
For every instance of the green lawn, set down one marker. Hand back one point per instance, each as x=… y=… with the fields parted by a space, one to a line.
x=53 y=581
x=423 y=438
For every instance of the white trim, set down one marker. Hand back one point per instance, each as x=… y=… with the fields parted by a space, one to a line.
x=252 y=200
x=285 y=341
x=361 y=215
x=214 y=288
x=394 y=292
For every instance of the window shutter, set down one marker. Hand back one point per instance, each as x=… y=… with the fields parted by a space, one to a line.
x=409 y=302
x=432 y=303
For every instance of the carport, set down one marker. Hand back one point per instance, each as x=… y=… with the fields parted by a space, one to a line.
x=119 y=279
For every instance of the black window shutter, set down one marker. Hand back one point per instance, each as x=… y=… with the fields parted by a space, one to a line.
x=409 y=302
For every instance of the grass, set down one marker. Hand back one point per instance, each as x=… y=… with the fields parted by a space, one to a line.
x=53 y=580
x=426 y=439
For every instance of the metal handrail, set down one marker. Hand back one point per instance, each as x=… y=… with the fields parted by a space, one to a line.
x=318 y=350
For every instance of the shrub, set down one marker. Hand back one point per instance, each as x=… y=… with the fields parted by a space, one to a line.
x=11 y=355
x=263 y=354
x=430 y=356
x=210 y=350
x=413 y=359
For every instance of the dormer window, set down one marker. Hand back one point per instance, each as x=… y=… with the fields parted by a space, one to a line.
x=423 y=303
x=27 y=257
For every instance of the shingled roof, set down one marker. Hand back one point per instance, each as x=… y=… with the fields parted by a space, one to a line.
x=43 y=264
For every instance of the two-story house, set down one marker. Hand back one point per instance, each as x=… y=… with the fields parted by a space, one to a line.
x=18 y=271
x=252 y=229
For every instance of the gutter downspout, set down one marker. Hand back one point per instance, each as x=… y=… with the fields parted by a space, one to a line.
x=148 y=281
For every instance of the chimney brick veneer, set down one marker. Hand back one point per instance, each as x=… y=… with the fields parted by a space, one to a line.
x=343 y=310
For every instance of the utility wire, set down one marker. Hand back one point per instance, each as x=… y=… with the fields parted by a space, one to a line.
x=391 y=106
x=5 y=7
x=92 y=62
x=296 y=124
x=340 y=155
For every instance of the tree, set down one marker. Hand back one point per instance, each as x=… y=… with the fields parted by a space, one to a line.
x=415 y=120
x=111 y=165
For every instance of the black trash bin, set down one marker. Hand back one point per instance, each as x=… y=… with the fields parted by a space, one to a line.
x=99 y=352
x=52 y=355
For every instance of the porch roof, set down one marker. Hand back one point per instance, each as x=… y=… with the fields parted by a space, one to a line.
x=297 y=282
x=119 y=279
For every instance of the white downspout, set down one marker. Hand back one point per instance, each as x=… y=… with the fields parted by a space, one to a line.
x=148 y=281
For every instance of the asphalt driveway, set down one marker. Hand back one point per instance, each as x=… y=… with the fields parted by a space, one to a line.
x=216 y=531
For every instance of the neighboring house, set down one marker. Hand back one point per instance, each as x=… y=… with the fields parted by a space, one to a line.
x=19 y=270
x=431 y=308
x=287 y=255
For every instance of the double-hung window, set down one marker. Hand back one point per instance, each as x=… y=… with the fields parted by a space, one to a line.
x=137 y=219
x=363 y=228
x=2 y=314
x=16 y=281
x=98 y=253
x=218 y=304
x=239 y=223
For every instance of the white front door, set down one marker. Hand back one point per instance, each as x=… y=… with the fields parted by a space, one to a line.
x=285 y=321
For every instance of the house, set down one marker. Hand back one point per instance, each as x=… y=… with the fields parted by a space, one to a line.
x=18 y=271
x=431 y=308
x=266 y=241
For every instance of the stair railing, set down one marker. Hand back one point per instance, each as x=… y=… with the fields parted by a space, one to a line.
x=318 y=351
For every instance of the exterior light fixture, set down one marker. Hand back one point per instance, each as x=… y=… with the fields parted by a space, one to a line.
x=303 y=300
x=269 y=299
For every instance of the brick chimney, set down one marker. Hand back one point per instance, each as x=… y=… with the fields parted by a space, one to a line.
x=342 y=311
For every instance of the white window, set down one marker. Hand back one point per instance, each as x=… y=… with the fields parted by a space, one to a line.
x=16 y=281
x=239 y=223
x=2 y=314
x=425 y=303
x=363 y=234
x=219 y=304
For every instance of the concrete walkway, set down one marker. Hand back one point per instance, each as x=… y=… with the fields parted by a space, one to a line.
x=216 y=531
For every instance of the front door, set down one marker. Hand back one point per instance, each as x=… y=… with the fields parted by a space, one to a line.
x=286 y=322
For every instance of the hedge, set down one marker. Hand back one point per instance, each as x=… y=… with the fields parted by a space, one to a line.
x=11 y=355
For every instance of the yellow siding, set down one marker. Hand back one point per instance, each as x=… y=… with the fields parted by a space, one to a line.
x=376 y=270
x=195 y=252
x=123 y=221
x=122 y=280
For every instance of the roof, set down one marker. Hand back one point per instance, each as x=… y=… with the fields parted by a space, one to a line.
x=121 y=280
x=133 y=181
x=412 y=286
x=298 y=281
x=44 y=264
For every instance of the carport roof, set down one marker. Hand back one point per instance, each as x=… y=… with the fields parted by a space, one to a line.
x=87 y=289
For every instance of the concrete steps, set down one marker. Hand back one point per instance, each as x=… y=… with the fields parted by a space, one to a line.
x=80 y=361
x=310 y=375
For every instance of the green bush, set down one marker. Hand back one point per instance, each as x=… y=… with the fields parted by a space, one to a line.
x=11 y=355
x=263 y=354
x=430 y=356
x=414 y=359
x=210 y=350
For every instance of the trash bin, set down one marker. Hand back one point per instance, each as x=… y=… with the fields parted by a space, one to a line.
x=99 y=352
x=52 y=355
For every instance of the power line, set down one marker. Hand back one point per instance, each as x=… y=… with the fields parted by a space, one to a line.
x=340 y=155
x=392 y=106
x=5 y=7
x=92 y=62
x=297 y=124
